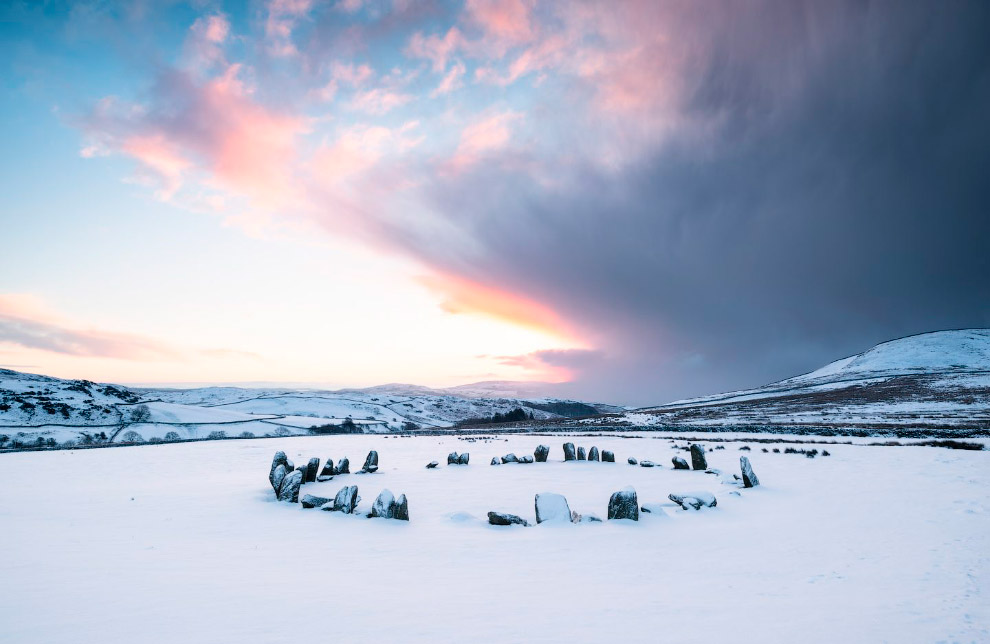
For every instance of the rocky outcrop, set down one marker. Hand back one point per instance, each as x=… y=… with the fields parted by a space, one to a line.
x=680 y=463
x=748 y=476
x=552 y=507
x=289 y=491
x=502 y=518
x=698 y=460
x=593 y=454
x=624 y=505
x=607 y=456
x=541 y=453
x=569 y=452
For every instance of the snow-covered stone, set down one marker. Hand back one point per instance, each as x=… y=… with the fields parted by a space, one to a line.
x=452 y=458
x=431 y=465
x=698 y=460
x=551 y=507
x=569 y=452
x=593 y=454
x=312 y=469
x=541 y=453
x=384 y=505
x=289 y=491
x=278 y=477
x=312 y=501
x=607 y=456
x=401 y=508
x=323 y=478
x=647 y=464
x=624 y=505
x=748 y=476
x=328 y=469
x=632 y=461
x=463 y=459
x=496 y=461
x=279 y=459
x=346 y=499
x=510 y=458
x=343 y=466
x=581 y=454
x=503 y=518
x=526 y=458
x=694 y=500
x=371 y=462
x=680 y=463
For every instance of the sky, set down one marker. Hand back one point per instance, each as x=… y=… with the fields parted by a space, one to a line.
x=637 y=201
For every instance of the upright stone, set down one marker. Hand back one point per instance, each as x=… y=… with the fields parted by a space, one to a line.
x=569 y=452
x=680 y=463
x=346 y=499
x=748 y=476
x=698 y=460
x=463 y=459
x=278 y=477
x=624 y=505
x=401 y=508
x=290 y=466
x=541 y=453
x=452 y=458
x=551 y=507
x=510 y=458
x=607 y=456
x=290 y=487
x=593 y=454
x=312 y=469
x=343 y=466
x=384 y=505
x=279 y=459
x=581 y=454
x=328 y=469
x=371 y=462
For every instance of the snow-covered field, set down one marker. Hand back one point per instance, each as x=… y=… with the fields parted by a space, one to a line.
x=185 y=542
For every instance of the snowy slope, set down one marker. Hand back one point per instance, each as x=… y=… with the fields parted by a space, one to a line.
x=934 y=382
x=34 y=407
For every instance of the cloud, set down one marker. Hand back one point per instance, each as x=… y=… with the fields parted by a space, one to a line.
x=451 y=80
x=557 y=365
x=283 y=15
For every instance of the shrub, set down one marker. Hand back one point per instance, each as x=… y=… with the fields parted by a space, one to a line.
x=131 y=437
x=247 y=435
x=217 y=435
x=172 y=436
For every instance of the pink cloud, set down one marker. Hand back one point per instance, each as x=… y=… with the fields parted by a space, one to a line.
x=484 y=136
x=435 y=48
x=282 y=18
x=451 y=80
x=379 y=101
x=506 y=21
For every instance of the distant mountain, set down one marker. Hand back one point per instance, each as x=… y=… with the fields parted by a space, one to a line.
x=931 y=381
x=34 y=407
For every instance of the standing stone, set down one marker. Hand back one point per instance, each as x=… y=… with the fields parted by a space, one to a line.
x=593 y=454
x=569 y=452
x=343 y=466
x=278 y=477
x=311 y=501
x=431 y=465
x=748 y=476
x=510 y=458
x=346 y=499
x=607 y=456
x=503 y=518
x=290 y=466
x=582 y=455
x=371 y=462
x=541 y=453
x=698 y=460
x=495 y=461
x=290 y=487
x=679 y=463
x=452 y=458
x=624 y=505
x=279 y=459
x=328 y=469
x=526 y=459
x=632 y=461
x=312 y=469
x=401 y=509
x=552 y=507
x=384 y=505
x=463 y=459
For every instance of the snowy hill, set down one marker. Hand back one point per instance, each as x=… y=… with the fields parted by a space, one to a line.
x=34 y=407
x=931 y=382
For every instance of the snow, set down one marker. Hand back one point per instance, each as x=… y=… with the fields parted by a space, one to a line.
x=185 y=542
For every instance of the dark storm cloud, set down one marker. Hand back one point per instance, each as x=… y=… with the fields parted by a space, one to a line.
x=843 y=200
